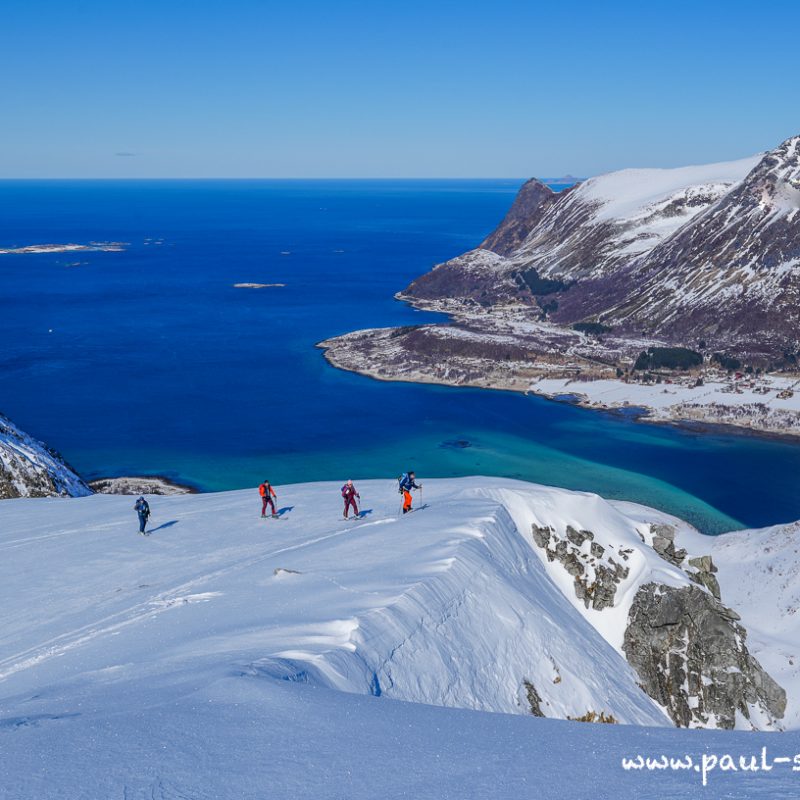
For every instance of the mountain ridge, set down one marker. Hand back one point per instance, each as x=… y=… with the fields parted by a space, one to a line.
x=29 y=468
x=498 y=596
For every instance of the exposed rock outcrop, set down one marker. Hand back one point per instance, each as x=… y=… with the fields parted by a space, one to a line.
x=596 y=577
x=687 y=649
x=534 y=699
x=664 y=544
x=530 y=205
x=702 y=571
x=690 y=654
x=28 y=468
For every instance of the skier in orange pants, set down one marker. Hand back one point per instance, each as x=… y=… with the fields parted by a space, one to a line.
x=407 y=483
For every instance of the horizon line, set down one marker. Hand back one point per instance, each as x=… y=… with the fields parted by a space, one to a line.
x=292 y=178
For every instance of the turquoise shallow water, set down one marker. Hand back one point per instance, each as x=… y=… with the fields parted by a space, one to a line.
x=149 y=361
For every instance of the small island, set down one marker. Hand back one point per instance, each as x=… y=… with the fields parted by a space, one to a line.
x=139 y=484
x=108 y=247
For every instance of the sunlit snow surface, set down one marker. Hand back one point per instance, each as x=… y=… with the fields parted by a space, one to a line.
x=227 y=656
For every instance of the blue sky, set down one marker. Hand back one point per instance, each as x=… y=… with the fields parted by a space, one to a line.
x=412 y=89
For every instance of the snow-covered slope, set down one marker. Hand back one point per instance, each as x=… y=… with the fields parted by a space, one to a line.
x=197 y=735
x=610 y=218
x=28 y=468
x=130 y=660
x=443 y=607
x=457 y=605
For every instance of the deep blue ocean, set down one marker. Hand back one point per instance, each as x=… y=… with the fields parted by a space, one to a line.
x=148 y=361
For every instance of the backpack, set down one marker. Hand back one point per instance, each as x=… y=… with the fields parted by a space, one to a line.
x=262 y=490
x=400 y=481
x=344 y=490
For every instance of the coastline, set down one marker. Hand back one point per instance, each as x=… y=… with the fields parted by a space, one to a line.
x=701 y=418
x=141 y=484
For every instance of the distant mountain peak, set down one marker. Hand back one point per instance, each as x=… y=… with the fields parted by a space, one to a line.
x=530 y=204
x=568 y=178
x=775 y=181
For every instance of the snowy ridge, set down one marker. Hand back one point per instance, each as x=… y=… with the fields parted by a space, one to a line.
x=227 y=656
x=620 y=535
x=624 y=214
x=433 y=644
x=453 y=606
x=631 y=193
x=28 y=468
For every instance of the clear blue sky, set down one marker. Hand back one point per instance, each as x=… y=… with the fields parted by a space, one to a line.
x=409 y=89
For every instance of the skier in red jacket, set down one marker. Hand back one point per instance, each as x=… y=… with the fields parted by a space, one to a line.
x=350 y=494
x=268 y=496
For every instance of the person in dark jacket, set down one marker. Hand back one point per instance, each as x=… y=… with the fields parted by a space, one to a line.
x=350 y=494
x=407 y=483
x=142 y=508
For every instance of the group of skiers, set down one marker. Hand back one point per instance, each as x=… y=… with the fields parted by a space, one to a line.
x=406 y=482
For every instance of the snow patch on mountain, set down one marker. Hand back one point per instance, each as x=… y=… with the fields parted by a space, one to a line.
x=634 y=193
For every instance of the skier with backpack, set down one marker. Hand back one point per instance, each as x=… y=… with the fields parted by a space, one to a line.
x=350 y=494
x=268 y=497
x=407 y=482
x=142 y=508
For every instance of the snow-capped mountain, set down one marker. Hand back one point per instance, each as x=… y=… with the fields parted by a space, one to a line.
x=734 y=272
x=28 y=468
x=582 y=233
x=608 y=219
x=706 y=253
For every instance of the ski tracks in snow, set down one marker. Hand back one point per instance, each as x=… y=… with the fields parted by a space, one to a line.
x=181 y=595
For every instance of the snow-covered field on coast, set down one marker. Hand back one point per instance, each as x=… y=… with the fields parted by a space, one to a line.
x=226 y=656
x=769 y=405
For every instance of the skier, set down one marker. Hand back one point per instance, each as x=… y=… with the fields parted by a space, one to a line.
x=407 y=483
x=268 y=496
x=349 y=494
x=142 y=508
